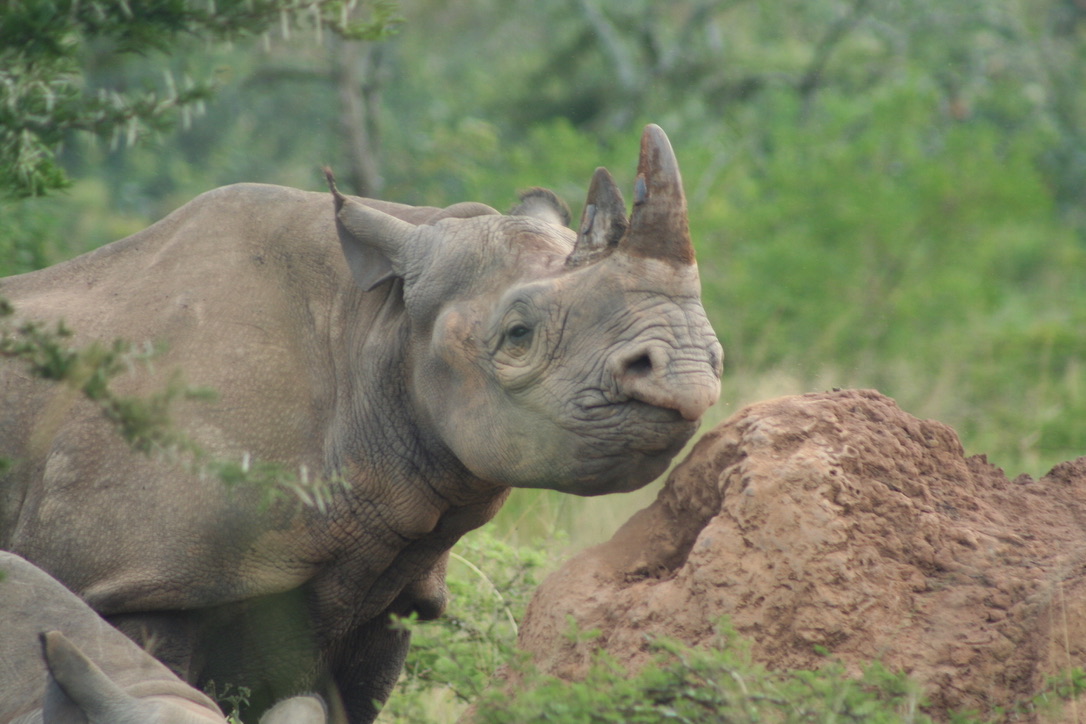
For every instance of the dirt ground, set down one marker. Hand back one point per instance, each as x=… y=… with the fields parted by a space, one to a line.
x=837 y=520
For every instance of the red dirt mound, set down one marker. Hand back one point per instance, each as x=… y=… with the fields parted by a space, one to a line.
x=837 y=520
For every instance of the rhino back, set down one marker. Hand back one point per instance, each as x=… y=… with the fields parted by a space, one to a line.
x=258 y=251
x=241 y=287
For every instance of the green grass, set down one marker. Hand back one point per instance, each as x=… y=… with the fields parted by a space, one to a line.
x=719 y=683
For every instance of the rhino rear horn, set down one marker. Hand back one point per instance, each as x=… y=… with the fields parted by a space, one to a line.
x=603 y=221
x=375 y=244
x=658 y=225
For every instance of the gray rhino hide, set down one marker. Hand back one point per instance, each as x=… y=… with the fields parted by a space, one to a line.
x=83 y=671
x=430 y=359
x=32 y=602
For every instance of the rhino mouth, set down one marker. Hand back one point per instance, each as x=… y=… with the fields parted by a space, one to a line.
x=634 y=426
x=608 y=467
x=604 y=448
x=606 y=410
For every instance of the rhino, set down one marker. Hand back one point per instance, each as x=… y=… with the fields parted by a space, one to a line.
x=429 y=360
x=55 y=682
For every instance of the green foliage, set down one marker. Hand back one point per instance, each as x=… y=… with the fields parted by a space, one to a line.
x=144 y=421
x=452 y=659
x=1067 y=686
x=273 y=480
x=231 y=699
x=685 y=684
x=43 y=49
x=939 y=246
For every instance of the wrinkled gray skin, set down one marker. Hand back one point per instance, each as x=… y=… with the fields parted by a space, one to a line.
x=457 y=353
x=54 y=681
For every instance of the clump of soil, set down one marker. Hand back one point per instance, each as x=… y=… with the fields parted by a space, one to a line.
x=837 y=521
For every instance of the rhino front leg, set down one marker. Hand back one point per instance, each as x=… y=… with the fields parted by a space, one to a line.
x=369 y=663
x=367 y=667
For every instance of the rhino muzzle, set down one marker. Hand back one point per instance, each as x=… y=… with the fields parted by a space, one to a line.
x=660 y=376
x=683 y=377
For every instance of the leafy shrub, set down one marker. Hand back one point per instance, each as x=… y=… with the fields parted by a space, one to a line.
x=453 y=659
x=695 y=686
x=453 y=662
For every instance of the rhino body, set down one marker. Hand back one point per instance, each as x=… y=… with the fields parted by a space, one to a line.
x=54 y=680
x=431 y=359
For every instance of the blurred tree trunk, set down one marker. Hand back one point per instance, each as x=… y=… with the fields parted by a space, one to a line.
x=813 y=76
x=357 y=74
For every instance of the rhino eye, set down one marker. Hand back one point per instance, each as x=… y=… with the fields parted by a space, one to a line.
x=518 y=339
x=519 y=333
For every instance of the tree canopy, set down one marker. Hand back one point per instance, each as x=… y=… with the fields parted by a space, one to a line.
x=44 y=47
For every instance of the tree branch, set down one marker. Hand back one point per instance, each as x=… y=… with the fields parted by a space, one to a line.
x=612 y=46
x=812 y=77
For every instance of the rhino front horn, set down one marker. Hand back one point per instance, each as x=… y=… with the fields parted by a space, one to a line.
x=658 y=224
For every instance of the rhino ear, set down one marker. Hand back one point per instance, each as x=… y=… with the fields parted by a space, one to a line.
x=374 y=243
x=542 y=204
x=77 y=690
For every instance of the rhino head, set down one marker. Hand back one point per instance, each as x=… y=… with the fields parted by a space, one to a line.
x=544 y=358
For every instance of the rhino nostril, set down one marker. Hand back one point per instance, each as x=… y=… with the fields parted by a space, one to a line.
x=639 y=366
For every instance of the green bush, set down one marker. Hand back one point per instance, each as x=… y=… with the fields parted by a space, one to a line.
x=453 y=659
x=715 y=684
x=453 y=663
